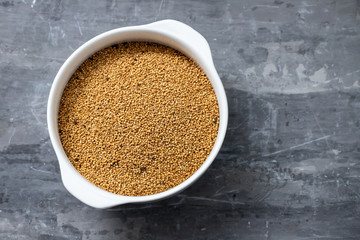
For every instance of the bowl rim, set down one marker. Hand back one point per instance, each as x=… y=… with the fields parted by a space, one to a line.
x=168 y=32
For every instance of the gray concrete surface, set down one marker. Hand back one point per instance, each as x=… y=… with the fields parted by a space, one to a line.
x=290 y=164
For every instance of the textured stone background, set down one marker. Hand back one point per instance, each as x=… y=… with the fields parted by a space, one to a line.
x=290 y=164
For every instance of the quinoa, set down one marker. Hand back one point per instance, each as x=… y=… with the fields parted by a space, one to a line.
x=138 y=118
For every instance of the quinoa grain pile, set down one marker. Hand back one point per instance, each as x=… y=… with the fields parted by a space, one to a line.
x=138 y=118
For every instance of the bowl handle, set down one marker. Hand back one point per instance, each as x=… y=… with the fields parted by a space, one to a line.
x=83 y=190
x=184 y=33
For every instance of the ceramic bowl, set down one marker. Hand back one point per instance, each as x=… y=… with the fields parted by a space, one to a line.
x=167 y=32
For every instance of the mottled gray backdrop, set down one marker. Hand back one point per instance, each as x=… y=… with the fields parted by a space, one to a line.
x=289 y=167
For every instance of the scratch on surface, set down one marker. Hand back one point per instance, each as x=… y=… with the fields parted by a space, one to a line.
x=321 y=130
x=296 y=146
x=113 y=4
x=78 y=24
x=158 y=14
x=351 y=73
x=135 y=9
x=33 y=113
x=32 y=8
x=38 y=14
x=353 y=191
x=212 y=200
x=38 y=170
x=236 y=127
x=63 y=33
x=265 y=6
x=11 y=136
x=218 y=191
x=317 y=236
x=49 y=58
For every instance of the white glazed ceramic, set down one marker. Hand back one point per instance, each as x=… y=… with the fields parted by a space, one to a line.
x=168 y=32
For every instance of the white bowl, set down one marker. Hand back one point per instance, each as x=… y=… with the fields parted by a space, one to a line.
x=167 y=32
